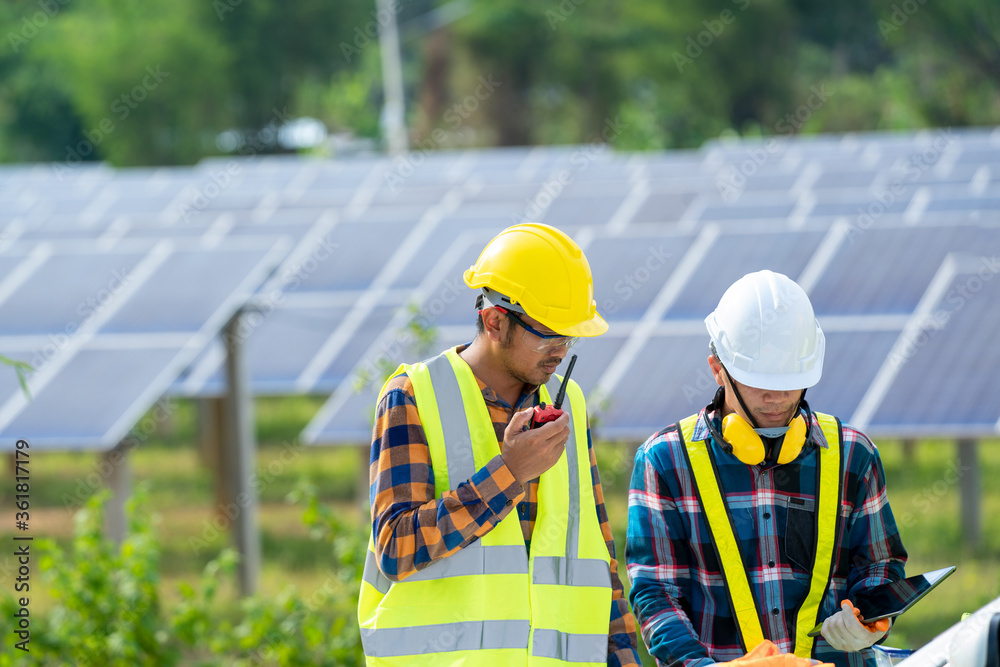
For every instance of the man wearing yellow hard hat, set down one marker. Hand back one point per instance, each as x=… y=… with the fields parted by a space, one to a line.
x=754 y=520
x=490 y=540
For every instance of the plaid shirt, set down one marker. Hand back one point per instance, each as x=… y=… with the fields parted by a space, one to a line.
x=413 y=528
x=678 y=593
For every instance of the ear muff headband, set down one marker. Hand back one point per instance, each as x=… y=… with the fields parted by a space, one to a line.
x=739 y=438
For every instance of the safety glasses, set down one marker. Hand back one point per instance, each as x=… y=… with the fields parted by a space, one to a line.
x=536 y=340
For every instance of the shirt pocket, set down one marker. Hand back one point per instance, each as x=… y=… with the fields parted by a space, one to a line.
x=800 y=532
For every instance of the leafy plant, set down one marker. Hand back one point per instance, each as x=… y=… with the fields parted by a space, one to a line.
x=22 y=368
x=108 y=610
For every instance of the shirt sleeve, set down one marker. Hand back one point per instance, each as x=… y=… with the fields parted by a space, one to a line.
x=622 y=640
x=413 y=528
x=877 y=553
x=656 y=555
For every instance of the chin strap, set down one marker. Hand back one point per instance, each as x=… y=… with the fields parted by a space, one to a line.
x=753 y=422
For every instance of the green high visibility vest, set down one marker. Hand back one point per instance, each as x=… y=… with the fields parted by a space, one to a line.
x=727 y=548
x=490 y=603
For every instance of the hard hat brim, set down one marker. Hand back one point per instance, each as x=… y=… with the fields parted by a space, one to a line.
x=775 y=382
x=595 y=326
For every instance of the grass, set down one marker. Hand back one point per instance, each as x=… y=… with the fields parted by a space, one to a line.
x=923 y=490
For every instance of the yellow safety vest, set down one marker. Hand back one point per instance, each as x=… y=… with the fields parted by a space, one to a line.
x=727 y=548
x=489 y=603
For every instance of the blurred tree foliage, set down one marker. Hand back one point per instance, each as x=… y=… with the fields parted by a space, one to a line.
x=155 y=81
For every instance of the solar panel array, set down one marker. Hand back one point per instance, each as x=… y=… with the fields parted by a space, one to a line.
x=894 y=236
x=107 y=330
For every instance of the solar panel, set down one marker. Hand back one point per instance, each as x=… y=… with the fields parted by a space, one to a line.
x=373 y=234
x=123 y=326
x=733 y=255
x=964 y=204
x=565 y=211
x=769 y=182
x=96 y=389
x=946 y=378
x=663 y=207
x=356 y=347
x=667 y=381
x=851 y=361
x=629 y=271
x=887 y=270
x=73 y=287
x=358 y=252
x=450 y=235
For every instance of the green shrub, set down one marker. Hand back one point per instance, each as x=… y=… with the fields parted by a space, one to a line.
x=108 y=611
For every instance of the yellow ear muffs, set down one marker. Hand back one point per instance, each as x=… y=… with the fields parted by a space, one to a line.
x=795 y=439
x=748 y=446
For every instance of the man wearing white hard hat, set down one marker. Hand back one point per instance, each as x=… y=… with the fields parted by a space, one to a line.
x=756 y=518
x=490 y=542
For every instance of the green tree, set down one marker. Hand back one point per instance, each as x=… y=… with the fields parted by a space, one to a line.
x=37 y=117
x=148 y=79
x=280 y=45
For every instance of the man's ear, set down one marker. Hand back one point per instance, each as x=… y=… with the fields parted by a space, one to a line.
x=718 y=372
x=491 y=323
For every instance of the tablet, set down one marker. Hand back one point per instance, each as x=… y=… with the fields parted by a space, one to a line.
x=892 y=599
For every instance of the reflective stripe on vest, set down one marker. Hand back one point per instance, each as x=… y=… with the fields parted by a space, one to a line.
x=742 y=599
x=488 y=602
x=830 y=482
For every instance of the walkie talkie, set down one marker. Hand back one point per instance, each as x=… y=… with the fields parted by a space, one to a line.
x=544 y=414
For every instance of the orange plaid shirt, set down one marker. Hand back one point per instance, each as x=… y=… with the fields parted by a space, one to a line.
x=413 y=528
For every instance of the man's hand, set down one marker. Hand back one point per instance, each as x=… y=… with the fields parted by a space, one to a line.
x=530 y=453
x=845 y=631
x=767 y=654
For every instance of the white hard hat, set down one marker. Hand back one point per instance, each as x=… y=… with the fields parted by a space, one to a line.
x=766 y=334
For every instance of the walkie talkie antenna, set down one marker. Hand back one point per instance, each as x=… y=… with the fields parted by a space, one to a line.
x=562 y=388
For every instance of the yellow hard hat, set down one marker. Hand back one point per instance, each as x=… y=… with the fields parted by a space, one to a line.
x=543 y=270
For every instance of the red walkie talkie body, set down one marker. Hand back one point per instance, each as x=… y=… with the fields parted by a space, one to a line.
x=543 y=413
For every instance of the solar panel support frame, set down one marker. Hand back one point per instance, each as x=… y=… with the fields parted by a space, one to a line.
x=970 y=490
x=119 y=482
x=238 y=439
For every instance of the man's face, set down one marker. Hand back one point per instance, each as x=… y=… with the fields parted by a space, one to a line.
x=769 y=407
x=519 y=358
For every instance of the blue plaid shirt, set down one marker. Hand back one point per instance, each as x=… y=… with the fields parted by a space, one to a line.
x=678 y=593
